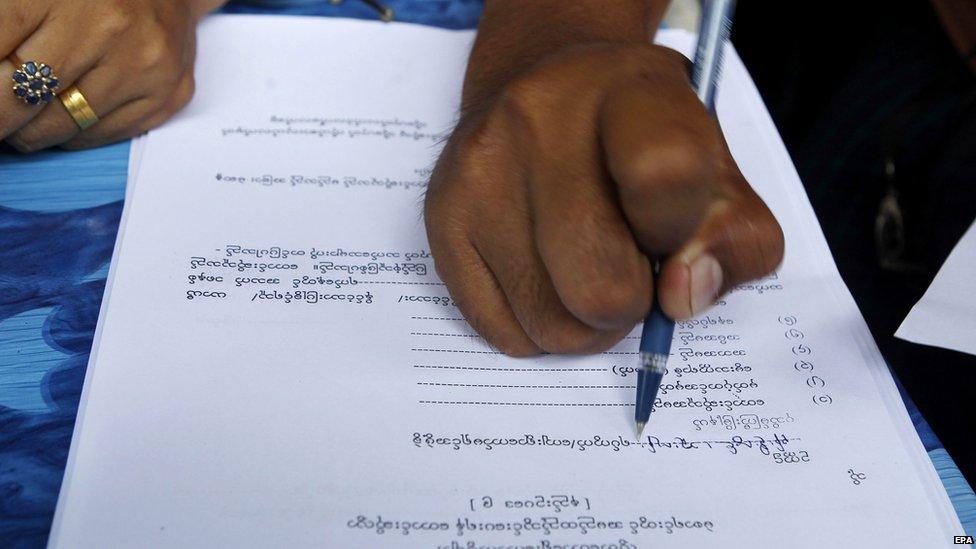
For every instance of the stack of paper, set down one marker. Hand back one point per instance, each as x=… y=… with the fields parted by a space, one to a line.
x=278 y=365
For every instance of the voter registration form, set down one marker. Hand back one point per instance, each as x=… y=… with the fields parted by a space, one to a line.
x=278 y=365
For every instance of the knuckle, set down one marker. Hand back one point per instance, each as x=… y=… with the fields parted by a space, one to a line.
x=158 y=50
x=460 y=177
x=184 y=92
x=437 y=211
x=676 y=162
x=608 y=302
x=446 y=235
x=155 y=53
x=466 y=185
x=520 y=94
x=442 y=209
x=522 y=101
x=479 y=146
x=112 y=20
x=769 y=241
x=434 y=205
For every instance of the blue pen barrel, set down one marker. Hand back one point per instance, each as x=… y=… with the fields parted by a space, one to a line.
x=655 y=346
x=648 y=383
x=657 y=333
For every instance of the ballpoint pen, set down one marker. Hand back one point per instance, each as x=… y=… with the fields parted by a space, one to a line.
x=655 y=342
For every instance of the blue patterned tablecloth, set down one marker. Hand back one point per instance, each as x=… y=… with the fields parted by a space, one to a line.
x=59 y=213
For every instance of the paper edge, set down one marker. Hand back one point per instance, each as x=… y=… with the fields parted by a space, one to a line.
x=135 y=161
x=942 y=506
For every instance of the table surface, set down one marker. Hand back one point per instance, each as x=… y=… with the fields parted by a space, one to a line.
x=59 y=214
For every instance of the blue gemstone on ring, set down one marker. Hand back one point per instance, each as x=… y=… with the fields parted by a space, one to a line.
x=34 y=83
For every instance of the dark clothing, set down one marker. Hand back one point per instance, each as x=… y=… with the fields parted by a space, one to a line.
x=878 y=111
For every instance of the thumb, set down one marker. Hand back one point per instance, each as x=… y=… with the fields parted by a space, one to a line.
x=738 y=240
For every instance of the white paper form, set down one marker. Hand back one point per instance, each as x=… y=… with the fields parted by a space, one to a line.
x=946 y=314
x=279 y=366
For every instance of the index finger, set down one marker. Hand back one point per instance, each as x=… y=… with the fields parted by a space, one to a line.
x=665 y=155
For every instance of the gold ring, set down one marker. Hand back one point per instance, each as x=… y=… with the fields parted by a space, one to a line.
x=78 y=107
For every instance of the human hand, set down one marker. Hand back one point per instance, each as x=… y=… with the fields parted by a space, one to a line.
x=132 y=60
x=553 y=195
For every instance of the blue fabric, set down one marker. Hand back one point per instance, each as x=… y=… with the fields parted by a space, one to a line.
x=59 y=214
x=958 y=489
x=449 y=14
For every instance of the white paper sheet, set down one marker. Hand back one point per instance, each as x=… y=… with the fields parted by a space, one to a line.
x=344 y=403
x=946 y=314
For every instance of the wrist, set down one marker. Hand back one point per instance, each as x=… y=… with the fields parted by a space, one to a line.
x=514 y=35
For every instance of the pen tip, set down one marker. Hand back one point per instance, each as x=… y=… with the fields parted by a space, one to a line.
x=640 y=428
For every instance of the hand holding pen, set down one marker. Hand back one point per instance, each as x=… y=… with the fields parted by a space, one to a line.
x=655 y=343
x=574 y=166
